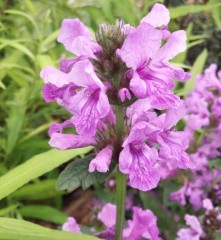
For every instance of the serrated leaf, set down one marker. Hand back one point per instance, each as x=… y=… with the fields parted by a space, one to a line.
x=76 y=175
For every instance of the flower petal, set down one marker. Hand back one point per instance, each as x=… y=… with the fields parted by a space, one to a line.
x=141 y=44
x=64 y=141
x=102 y=161
x=54 y=76
x=108 y=215
x=71 y=226
x=176 y=44
x=71 y=29
x=138 y=86
x=158 y=16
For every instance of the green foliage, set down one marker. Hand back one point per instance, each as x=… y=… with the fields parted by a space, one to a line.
x=76 y=175
x=12 y=229
x=181 y=11
x=43 y=212
x=33 y=191
x=35 y=167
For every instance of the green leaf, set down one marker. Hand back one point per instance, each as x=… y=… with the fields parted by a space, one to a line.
x=20 y=13
x=76 y=175
x=20 y=48
x=51 y=38
x=43 y=212
x=215 y=163
x=16 y=118
x=216 y=13
x=194 y=43
x=197 y=68
x=181 y=11
x=35 y=167
x=5 y=211
x=44 y=189
x=13 y=229
x=44 y=60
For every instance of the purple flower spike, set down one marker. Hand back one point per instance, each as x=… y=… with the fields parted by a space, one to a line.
x=121 y=81
x=102 y=161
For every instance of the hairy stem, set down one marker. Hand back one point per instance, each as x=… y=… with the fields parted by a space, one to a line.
x=121 y=179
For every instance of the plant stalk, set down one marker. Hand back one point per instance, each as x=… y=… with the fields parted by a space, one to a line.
x=121 y=179
x=121 y=195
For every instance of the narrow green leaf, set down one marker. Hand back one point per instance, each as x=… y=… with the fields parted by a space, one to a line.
x=194 y=43
x=5 y=211
x=197 y=68
x=20 y=13
x=35 y=167
x=42 y=212
x=176 y=12
x=76 y=175
x=35 y=132
x=13 y=65
x=44 y=60
x=13 y=229
x=16 y=118
x=21 y=48
x=44 y=189
x=51 y=38
x=216 y=13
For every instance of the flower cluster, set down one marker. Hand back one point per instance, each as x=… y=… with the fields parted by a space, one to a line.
x=115 y=89
x=204 y=228
x=143 y=224
x=204 y=130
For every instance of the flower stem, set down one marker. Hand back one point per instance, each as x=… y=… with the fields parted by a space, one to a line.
x=121 y=194
x=121 y=179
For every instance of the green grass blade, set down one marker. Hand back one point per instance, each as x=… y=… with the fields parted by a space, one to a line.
x=13 y=229
x=35 y=167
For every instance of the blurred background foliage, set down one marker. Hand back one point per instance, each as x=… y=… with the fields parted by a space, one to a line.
x=28 y=32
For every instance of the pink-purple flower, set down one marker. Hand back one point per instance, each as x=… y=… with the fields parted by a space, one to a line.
x=125 y=67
